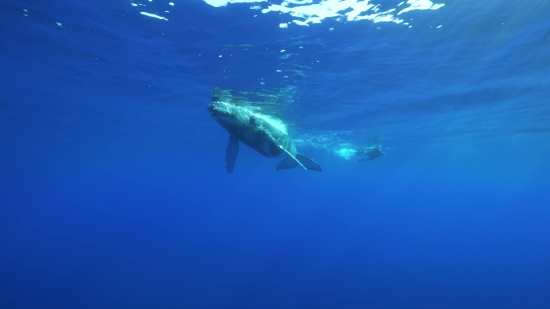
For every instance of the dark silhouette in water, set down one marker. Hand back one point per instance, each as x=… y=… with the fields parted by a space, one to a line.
x=371 y=154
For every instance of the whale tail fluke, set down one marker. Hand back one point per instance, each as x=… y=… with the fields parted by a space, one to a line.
x=293 y=161
x=309 y=163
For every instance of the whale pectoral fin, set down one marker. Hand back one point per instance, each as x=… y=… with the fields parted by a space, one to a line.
x=231 y=153
x=287 y=163
x=308 y=163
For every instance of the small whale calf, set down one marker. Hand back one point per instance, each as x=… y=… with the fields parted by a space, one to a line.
x=263 y=133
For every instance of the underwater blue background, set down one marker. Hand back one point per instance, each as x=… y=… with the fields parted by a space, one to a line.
x=113 y=190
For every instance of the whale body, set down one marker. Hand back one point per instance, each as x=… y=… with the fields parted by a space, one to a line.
x=263 y=133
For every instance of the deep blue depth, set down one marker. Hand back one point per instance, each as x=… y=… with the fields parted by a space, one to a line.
x=113 y=190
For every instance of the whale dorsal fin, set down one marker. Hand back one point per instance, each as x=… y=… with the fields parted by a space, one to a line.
x=231 y=153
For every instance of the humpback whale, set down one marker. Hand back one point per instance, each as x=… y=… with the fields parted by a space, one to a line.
x=263 y=133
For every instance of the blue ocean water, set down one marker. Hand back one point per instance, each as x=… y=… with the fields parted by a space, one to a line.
x=113 y=189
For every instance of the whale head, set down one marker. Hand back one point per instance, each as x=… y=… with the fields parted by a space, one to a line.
x=228 y=115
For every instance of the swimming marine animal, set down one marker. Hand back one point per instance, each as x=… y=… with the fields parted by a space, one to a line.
x=373 y=154
x=263 y=133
